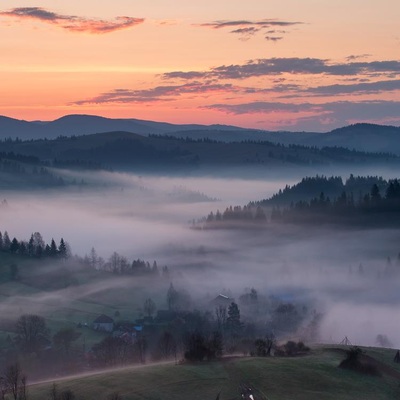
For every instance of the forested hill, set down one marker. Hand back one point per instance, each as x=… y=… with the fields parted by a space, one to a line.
x=361 y=136
x=28 y=172
x=332 y=187
x=128 y=151
x=368 y=201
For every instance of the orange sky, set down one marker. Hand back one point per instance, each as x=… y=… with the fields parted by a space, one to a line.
x=284 y=64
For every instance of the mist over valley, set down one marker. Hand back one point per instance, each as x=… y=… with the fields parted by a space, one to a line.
x=199 y=200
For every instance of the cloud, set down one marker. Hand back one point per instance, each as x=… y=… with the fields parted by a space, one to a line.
x=246 y=29
x=366 y=88
x=338 y=112
x=279 y=66
x=184 y=75
x=158 y=93
x=263 y=107
x=273 y=31
x=167 y=22
x=265 y=23
x=73 y=23
x=173 y=92
x=274 y=38
x=357 y=56
x=246 y=33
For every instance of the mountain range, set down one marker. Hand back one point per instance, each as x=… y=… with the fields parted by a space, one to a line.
x=362 y=136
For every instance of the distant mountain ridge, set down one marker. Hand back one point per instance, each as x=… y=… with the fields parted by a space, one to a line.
x=361 y=136
x=80 y=124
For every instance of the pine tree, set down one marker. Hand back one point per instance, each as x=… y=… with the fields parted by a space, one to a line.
x=93 y=259
x=172 y=297
x=375 y=194
x=22 y=248
x=154 y=269
x=53 y=248
x=39 y=251
x=233 y=323
x=14 y=246
x=31 y=247
x=62 y=249
x=6 y=242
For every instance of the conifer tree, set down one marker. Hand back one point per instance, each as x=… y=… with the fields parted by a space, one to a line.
x=62 y=249
x=6 y=242
x=233 y=323
x=14 y=246
x=53 y=248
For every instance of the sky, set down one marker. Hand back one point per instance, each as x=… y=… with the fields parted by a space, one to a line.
x=278 y=65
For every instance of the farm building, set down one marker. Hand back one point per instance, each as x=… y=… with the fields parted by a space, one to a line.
x=222 y=300
x=103 y=323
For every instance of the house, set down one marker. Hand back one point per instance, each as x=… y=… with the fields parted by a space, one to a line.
x=129 y=334
x=103 y=323
x=222 y=300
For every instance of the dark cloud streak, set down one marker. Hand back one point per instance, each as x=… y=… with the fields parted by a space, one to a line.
x=341 y=112
x=279 y=66
x=265 y=23
x=247 y=28
x=274 y=38
x=71 y=22
x=365 y=88
x=158 y=93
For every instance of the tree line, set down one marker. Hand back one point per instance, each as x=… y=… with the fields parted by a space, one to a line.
x=234 y=214
x=119 y=265
x=372 y=207
x=332 y=187
x=35 y=247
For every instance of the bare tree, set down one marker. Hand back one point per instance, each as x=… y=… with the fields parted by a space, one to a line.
x=13 y=381
x=167 y=345
x=22 y=391
x=3 y=388
x=112 y=351
x=53 y=394
x=31 y=332
x=64 y=338
x=220 y=313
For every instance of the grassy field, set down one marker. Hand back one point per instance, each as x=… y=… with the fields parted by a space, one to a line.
x=67 y=296
x=315 y=376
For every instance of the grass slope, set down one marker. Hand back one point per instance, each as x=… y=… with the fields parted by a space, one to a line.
x=66 y=295
x=304 y=378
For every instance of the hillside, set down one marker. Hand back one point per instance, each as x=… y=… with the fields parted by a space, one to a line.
x=313 y=377
x=129 y=151
x=27 y=172
x=332 y=187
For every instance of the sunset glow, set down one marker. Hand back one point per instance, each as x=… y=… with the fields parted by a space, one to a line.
x=269 y=65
